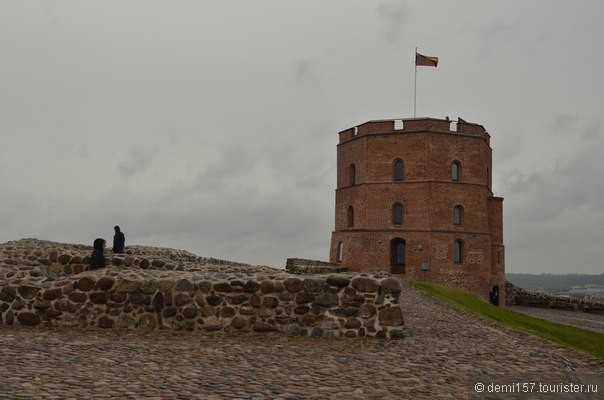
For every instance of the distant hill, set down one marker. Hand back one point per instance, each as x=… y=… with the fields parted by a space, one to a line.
x=554 y=283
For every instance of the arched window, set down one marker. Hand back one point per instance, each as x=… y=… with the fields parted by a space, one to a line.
x=352 y=172
x=340 y=252
x=397 y=214
x=397 y=251
x=350 y=217
x=398 y=170
x=457 y=252
x=458 y=215
x=455 y=171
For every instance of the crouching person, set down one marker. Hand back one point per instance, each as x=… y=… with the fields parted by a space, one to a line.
x=97 y=259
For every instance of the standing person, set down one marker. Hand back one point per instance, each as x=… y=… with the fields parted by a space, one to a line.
x=119 y=240
x=97 y=259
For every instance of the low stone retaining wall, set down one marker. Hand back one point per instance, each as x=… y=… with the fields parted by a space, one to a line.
x=516 y=296
x=154 y=293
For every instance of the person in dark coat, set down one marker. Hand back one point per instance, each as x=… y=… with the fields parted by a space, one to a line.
x=119 y=240
x=97 y=259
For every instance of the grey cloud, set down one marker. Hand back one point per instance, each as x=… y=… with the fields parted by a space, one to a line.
x=562 y=187
x=518 y=182
x=230 y=221
x=565 y=122
x=393 y=15
x=507 y=148
x=213 y=127
x=557 y=213
x=593 y=130
x=239 y=200
x=498 y=31
x=137 y=161
x=305 y=71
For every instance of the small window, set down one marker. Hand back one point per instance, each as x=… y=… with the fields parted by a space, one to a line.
x=458 y=215
x=457 y=252
x=352 y=175
x=398 y=170
x=397 y=214
x=340 y=252
x=398 y=248
x=350 y=217
x=455 y=171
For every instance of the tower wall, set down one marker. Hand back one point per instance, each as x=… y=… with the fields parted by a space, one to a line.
x=369 y=193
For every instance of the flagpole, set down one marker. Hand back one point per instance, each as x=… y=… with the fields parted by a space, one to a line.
x=415 y=86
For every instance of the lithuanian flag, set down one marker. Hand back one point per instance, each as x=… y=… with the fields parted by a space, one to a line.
x=425 y=60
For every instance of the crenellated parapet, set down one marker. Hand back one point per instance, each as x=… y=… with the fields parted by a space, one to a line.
x=403 y=126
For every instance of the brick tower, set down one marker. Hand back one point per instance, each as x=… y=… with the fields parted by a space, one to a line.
x=414 y=197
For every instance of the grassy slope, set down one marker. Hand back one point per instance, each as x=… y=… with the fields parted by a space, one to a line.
x=577 y=338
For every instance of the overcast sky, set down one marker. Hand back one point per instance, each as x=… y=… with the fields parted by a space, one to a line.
x=211 y=126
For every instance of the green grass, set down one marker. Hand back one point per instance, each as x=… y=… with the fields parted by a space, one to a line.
x=580 y=339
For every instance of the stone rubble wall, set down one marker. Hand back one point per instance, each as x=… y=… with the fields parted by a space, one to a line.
x=516 y=296
x=304 y=267
x=42 y=284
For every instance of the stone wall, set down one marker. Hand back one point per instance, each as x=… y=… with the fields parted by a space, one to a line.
x=304 y=267
x=516 y=296
x=147 y=289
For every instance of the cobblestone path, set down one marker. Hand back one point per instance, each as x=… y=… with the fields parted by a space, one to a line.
x=443 y=355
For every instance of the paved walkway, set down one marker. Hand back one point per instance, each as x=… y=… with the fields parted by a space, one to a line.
x=593 y=322
x=444 y=354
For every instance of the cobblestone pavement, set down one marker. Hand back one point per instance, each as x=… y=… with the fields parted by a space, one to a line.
x=594 y=322
x=444 y=354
